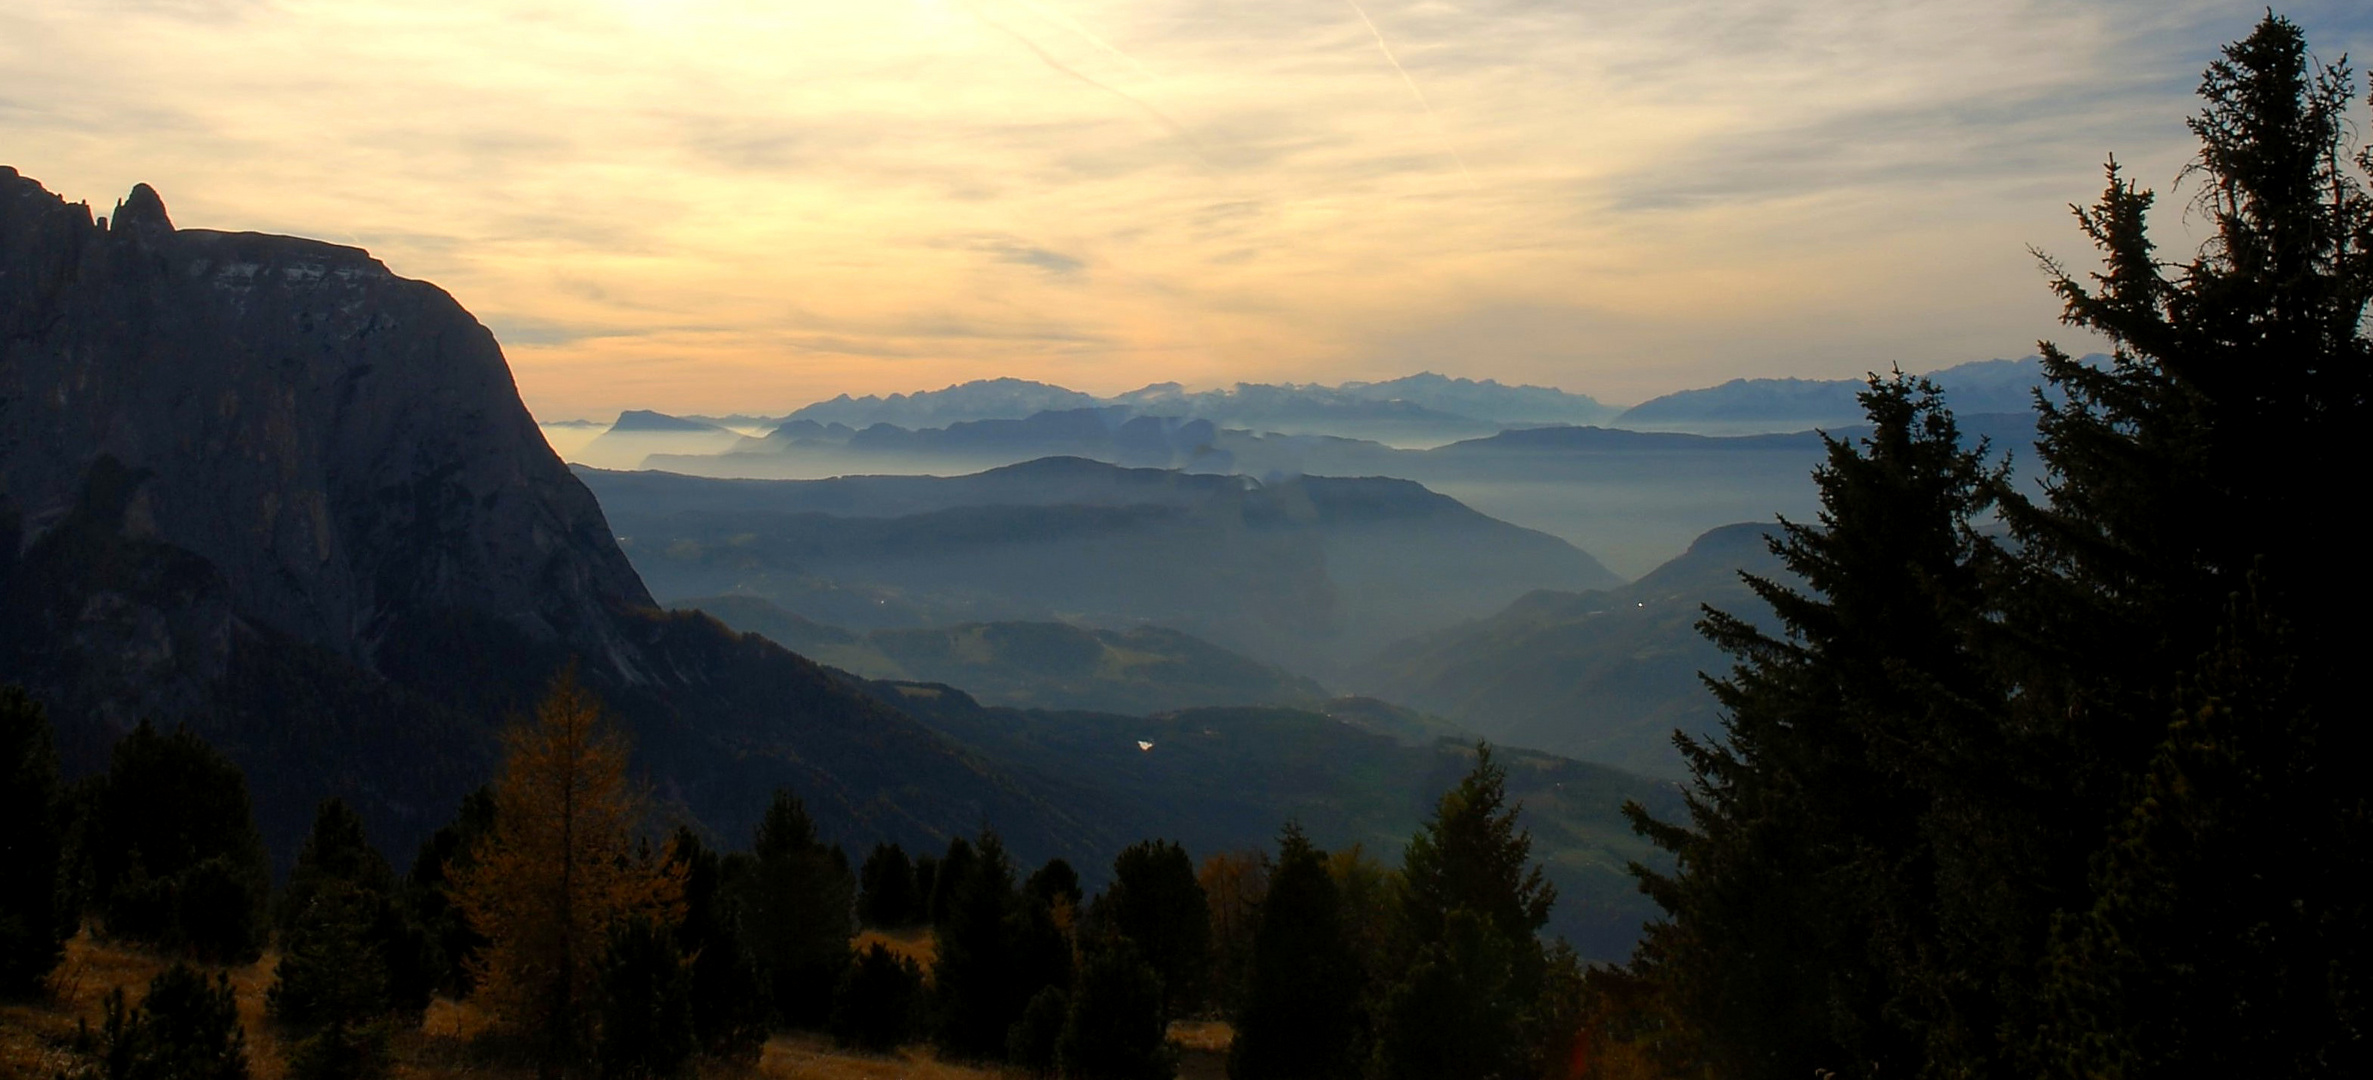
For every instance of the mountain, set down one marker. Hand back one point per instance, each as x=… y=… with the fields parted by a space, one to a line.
x=1228 y=778
x=640 y=433
x=1751 y=405
x=1139 y=670
x=266 y=487
x=1486 y=399
x=1603 y=676
x=1306 y=573
x=1422 y=409
x=980 y=399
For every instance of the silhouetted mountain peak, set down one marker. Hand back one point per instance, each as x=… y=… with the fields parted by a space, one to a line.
x=141 y=211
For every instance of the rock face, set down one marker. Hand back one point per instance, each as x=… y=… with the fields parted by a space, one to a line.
x=264 y=485
x=343 y=445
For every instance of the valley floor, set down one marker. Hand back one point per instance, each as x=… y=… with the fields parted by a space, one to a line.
x=37 y=1038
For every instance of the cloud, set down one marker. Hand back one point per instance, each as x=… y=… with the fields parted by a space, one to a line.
x=681 y=206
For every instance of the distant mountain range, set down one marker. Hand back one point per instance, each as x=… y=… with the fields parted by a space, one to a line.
x=1423 y=409
x=1744 y=406
x=1305 y=572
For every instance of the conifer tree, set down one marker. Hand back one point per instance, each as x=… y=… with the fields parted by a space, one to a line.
x=647 y=1029
x=1300 y=1017
x=185 y=1028
x=35 y=919
x=729 y=1005
x=2187 y=626
x=886 y=888
x=559 y=868
x=1115 y=1030
x=175 y=858
x=443 y=859
x=1804 y=906
x=799 y=903
x=338 y=861
x=1472 y=907
x=1156 y=903
x=874 y=1006
x=974 y=999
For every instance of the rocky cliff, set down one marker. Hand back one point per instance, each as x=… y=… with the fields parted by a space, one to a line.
x=266 y=486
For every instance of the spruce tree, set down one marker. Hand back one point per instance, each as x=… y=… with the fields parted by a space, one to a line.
x=35 y=919
x=1155 y=902
x=646 y=1029
x=974 y=979
x=1115 y=1030
x=886 y=888
x=2185 y=613
x=874 y=1006
x=185 y=1028
x=729 y=1006
x=1300 y=1018
x=1473 y=905
x=799 y=903
x=175 y=858
x=444 y=858
x=1802 y=916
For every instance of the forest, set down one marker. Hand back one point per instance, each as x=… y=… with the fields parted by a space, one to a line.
x=2048 y=781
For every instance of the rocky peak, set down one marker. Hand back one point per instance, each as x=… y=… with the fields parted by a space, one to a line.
x=344 y=445
x=143 y=211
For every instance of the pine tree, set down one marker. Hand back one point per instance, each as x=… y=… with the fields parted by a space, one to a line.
x=974 y=998
x=729 y=1006
x=1473 y=905
x=1156 y=903
x=799 y=903
x=874 y=1006
x=886 y=888
x=557 y=871
x=339 y=861
x=1115 y=1030
x=2188 y=624
x=35 y=919
x=175 y=858
x=185 y=1028
x=1300 y=1017
x=646 y=1028
x=443 y=859
x=1803 y=914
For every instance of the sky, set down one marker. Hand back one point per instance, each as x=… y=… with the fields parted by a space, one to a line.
x=736 y=206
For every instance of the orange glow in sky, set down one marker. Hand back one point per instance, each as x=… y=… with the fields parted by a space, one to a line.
x=739 y=206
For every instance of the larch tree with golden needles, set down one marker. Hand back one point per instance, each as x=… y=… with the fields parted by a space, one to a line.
x=559 y=869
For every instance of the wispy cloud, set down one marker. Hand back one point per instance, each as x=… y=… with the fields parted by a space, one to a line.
x=687 y=205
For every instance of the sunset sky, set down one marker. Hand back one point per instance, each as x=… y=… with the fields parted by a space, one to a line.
x=745 y=206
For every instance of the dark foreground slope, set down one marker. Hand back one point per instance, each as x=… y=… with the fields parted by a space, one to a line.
x=265 y=486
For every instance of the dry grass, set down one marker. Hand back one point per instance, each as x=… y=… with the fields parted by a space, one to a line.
x=1202 y=1048
x=36 y=1038
x=914 y=944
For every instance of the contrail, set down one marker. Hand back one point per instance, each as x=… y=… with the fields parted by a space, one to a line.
x=1414 y=92
x=1073 y=25
x=1175 y=128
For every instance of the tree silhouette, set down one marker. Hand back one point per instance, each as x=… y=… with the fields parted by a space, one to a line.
x=35 y=921
x=558 y=870
x=1300 y=1016
x=175 y=858
x=799 y=902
